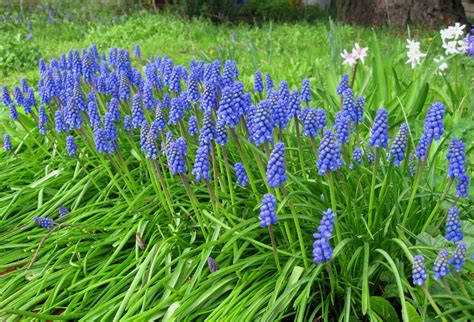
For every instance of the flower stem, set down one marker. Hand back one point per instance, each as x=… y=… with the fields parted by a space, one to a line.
x=333 y=204
x=438 y=204
x=194 y=202
x=433 y=304
x=372 y=186
x=300 y=150
x=274 y=247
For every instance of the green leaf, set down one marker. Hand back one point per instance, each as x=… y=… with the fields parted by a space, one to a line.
x=383 y=308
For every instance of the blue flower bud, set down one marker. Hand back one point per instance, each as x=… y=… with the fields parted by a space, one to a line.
x=268 y=211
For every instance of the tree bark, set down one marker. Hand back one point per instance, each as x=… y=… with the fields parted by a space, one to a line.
x=429 y=13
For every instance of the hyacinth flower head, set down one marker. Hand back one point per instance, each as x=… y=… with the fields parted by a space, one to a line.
x=71 y=146
x=127 y=123
x=13 y=112
x=44 y=222
x=62 y=211
x=262 y=124
x=434 y=126
x=469 y=41
x=138 y=116
x=175 y=152
x=411 y=164
x=419 y=270
x=453 y=225
x=341 y=127
x=322 y=250
x=268 y=81
x=379 y=132
x=101 y=143
x=463 y=186
x=268 y=211
x=399 y=145
x=7 y=144
x=258 y=82
x=227 y=114
x=213 y=265
x=356 y=156
x=459 y=257
x=193 y=125
x=242 y=177
x=343 y=85
x=221 y=135
x=329 y=154
x=305 y=91
x=284 y=93
x=294 y=105
x=202 y=165
x=456 y=158
x=6 y=98
x=276 y=173
x=440 y=266
x=349 y=105
x=150 y=146
x=208 y=130
x=278 y=110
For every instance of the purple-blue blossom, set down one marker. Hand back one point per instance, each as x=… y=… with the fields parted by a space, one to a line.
x=202 y=165
x=419 y=270
x=399 y=145
x=440 y=266
x=276 y=173
x=379 y=132
x=453 y=225
x=268 y=211
x=459 y=257
x=242 y=177
x=70 y=146
x=329 y=154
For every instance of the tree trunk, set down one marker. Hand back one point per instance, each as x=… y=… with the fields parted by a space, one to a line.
x=429 y=13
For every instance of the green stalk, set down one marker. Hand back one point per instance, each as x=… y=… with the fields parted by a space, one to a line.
x=229 y=180
x=194 y=202
x=297 y=226
x=438 y=204
x=274 y=247
x=451 y=295
x=372 y=186
x=244 y=161
x=300 y=150
x=433 y=304
x=333 y=204
x=415 y=185
x=164 y=189
x=332 y=281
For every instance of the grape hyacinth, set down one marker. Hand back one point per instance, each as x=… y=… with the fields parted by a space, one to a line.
x=399 y=145
x=276 y=174
x=459 y=257
x=213 y=265
x=62 y=211
x=221 y=134
x=378 y=133
x=268 y=81
x=305 y=91
x=341 y=127
x=329 y=154
x=349 y=106
x=242 y=178
x=208 y=131
x=7 y=144
x=258 y=83
x=440 y=266
x=462 y=186
x=127 y=123
x=322 y=250
x=294 y=105
x=192 y=125
x=411 y=164
x=138 y=117
x=434 y=126
x=42 y=120
x=453 y=225
x=71 y=146
x=419 y=270
x=175 y=153
x=201 y=164
x=13 y=112
x=456 y=159
x=44 y=222
x=262 y=124
x=343 y=85
x=150 y=146
x=277 y=110
x=356 y=156
x=268 y=211
x=101 y=143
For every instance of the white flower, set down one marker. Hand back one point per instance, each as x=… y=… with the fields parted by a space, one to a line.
x=349 y=58
x=442 y=66
x=359 y=52
x=452 y=39
x=414 y=53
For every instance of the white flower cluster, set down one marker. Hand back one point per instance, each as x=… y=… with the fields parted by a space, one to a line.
x=351 y=58
x=414 y=53
x=453 y=39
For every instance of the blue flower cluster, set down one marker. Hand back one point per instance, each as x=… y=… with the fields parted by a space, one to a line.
x=379 y=132
x=453 y=225
x=242 y=177
x=399 y=145
x=419 y=270
x=44 y=222
x=329 y=154
x=322 y=250
x=276 y=173
x=268 y=211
